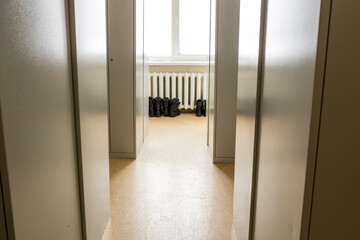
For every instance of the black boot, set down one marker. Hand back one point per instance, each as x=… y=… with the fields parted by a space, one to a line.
x=174 y=107
x=157 y=107
x=166 y=106
x=199 y=108
x=203 y=108
x=177 y=113
x=178 y=110
x=151 y=107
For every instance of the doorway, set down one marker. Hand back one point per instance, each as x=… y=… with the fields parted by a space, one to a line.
x=176 y=46
x=172 y=190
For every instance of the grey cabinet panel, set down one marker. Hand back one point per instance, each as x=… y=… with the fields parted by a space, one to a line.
x=226 y=77
x=38 y=120
x=286 y=104
x=248 y=79
x=139 y=75
x=128 y=87
x=146 y=77
x=212 y=75
x=90 y=77
x=121 y=76
x=222 y=79
x=336 y=210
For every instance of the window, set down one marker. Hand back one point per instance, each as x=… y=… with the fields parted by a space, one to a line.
x=177 y=30
x=159 y=28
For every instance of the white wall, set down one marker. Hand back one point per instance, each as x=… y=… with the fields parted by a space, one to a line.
x=179 y=68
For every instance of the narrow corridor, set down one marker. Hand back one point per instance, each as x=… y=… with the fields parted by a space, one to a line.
x=173 y=190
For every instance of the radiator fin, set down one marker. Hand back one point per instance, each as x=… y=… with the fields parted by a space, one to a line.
x=187 y=87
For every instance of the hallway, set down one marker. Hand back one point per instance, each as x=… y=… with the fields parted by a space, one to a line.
x=173 y=190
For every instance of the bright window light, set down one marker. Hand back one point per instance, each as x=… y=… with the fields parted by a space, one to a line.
x=158 y=28
x=194 y=20
x=177 y=30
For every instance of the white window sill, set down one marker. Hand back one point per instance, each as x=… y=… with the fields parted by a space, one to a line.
x=180 y=63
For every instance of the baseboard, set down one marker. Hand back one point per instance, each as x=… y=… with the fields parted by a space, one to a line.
x=122 y=155
x=223 y=160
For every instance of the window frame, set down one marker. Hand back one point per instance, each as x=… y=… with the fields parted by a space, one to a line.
x=176 y=57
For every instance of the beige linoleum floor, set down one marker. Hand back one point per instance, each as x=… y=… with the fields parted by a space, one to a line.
x=173 y=190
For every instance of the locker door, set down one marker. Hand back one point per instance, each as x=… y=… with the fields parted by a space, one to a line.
x=335 y=210
x=248 y=87
x=89 y=34
x=38 y=120
x=212 y=73
x=121 y=77
x=286 y=104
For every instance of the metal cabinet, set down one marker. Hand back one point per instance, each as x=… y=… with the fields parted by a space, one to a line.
x=298 y=179
x=38 y=120
x=222 y=79
x=89 y=61
x=127 y=99
x=335 y=207
x=53 y=128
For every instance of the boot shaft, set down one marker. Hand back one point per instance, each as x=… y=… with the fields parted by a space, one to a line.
x=199 y=108
x=157 y=107
x=203 y=108
x=151 y=107
x=174 y=107
x=166 y=106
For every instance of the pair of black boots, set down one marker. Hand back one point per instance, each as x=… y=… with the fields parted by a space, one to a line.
x=200 y=108
x=167 y=107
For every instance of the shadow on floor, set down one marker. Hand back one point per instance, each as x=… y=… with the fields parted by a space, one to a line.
x=226 y=168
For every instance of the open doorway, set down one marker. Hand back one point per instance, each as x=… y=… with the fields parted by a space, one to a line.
x=177 y=50
x=172 y=190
